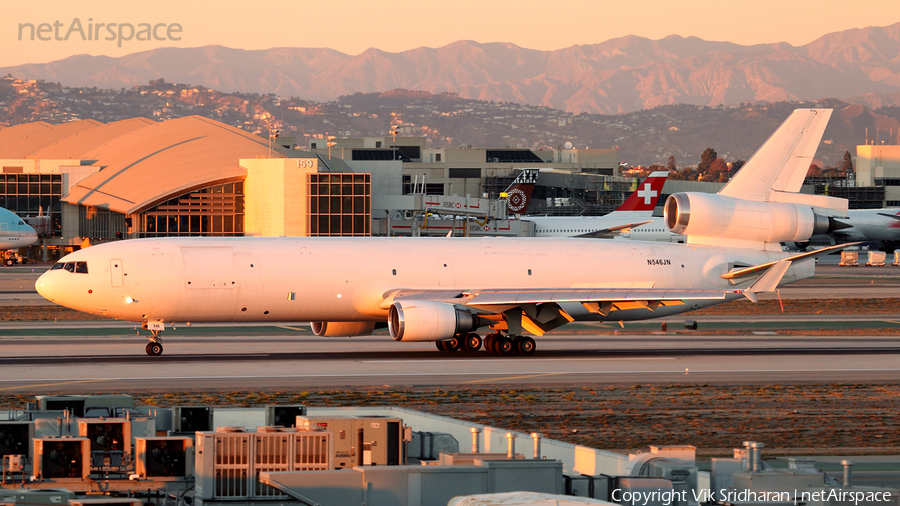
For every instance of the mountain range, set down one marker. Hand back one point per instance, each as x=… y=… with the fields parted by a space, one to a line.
x=616 y=76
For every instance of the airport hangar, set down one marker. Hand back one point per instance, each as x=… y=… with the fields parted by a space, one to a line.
x=195 y=176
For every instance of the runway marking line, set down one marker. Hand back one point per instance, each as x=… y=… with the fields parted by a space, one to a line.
x=286 y=327
x=60 y=383
x=517 y=377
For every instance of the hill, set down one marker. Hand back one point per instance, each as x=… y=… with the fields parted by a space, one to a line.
x=616 y=76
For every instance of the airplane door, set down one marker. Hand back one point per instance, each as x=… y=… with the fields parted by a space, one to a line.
x=445 y=272
x=115 y=272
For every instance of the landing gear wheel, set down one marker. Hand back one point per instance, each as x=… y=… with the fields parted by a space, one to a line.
x=440 y=345
x=489 y=342
x=453 y=344
x=526 y=346
x=154 y=349
x=505 y=346
x=473 y=342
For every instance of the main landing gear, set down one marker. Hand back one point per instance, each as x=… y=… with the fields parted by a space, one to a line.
x=154 y=347
x=497 y=344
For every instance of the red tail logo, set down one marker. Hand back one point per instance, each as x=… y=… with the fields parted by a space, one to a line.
x=519 y=192
x=647 y=194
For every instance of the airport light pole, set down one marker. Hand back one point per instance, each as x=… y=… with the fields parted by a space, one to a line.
x=394 y=132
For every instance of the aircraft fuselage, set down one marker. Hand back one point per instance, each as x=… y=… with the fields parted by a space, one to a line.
x=342 y=279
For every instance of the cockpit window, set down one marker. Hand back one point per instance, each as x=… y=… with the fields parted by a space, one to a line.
x=76 y=267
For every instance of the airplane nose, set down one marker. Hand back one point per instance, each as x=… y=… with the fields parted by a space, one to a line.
x=44 y=286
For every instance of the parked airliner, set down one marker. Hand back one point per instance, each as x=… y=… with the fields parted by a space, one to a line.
x=863 y=225
x=635 y=212
x=444 y=290
x=14 y=232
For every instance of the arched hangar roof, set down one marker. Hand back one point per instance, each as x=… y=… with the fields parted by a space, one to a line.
x=151 y=164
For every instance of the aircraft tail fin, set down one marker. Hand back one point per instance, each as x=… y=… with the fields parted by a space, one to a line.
x=644 y=199
x=781 y=163
x=518 y=195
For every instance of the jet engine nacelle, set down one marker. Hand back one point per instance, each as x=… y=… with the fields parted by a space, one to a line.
x=419 y=320
x=714 y=215
x=342 y=329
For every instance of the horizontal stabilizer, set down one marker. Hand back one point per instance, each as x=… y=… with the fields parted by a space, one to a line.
x=607 y=233
x=748 y=271
x=768 y=282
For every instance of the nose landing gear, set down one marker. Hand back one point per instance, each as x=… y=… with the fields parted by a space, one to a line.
x=154 y=347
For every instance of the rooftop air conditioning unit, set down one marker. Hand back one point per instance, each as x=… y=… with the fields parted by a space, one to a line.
x=15 y=438
x=66 y=458
x=192 y=419
x=229 y=460
x=110 y=442
x=284 y=416
x=163 y=458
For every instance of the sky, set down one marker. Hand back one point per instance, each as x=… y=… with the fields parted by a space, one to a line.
x=352 y=26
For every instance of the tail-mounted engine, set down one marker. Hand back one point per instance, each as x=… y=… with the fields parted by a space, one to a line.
x=722 y=217
x=418 y=320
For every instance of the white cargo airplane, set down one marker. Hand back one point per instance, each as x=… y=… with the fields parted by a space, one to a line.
x=444 y=290
x=14 y=232
x=632 y=215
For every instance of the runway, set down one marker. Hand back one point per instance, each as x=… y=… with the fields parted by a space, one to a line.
x=273 y=358
x=108 y=356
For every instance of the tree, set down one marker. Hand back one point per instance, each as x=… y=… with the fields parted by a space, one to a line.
x=706 y=159
x=670 y=164
x=736 y=166
x=847 y=165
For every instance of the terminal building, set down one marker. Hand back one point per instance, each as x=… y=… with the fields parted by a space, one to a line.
x=194 y=176
x=878 y=167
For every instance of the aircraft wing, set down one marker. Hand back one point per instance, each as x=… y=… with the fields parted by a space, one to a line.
x=608 y=233
x=540 y=310
x=894 y=216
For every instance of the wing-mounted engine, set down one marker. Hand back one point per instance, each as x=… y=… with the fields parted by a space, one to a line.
x=342 y=329
x=422 y=320
x=718 y=219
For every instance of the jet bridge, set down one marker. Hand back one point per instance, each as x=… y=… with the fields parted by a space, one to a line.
x=437 y=215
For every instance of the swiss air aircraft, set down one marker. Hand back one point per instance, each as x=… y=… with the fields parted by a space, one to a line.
x=454 y=290
x=636 y=211
x=14 y=232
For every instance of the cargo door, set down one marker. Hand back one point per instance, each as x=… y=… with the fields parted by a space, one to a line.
x=115 y=272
